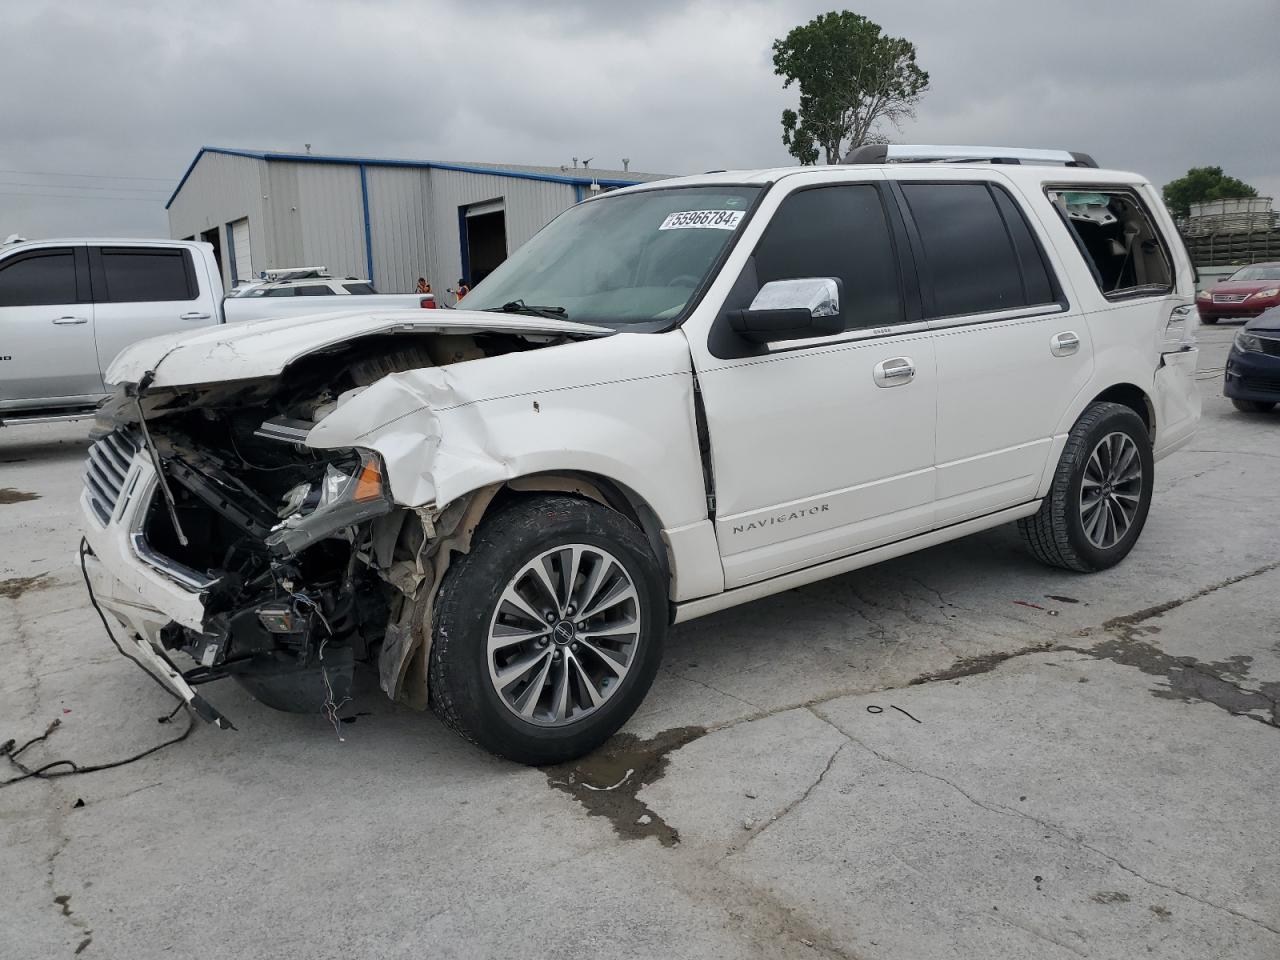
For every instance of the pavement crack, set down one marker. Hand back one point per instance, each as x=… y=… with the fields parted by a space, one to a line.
x=778 y=817
x=1053 y=828
x=707 y=686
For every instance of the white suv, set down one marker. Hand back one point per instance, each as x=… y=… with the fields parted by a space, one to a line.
x=676 y=398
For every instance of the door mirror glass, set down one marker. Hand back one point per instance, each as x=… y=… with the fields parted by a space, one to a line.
x=790 y=310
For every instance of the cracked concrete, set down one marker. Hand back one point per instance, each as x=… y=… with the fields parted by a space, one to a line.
x=1092 y=773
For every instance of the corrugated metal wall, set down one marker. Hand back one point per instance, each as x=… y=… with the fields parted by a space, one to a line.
x=314 y=215
x=398 y=225
x=529 y=204
x=332 y=218
x=219 y=190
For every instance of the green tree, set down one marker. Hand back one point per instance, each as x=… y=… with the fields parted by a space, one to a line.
x=851 y=77
x=1203 y=183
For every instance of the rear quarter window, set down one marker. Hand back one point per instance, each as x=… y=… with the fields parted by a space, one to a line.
x=1118 y=239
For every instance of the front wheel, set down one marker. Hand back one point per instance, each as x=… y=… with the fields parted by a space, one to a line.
x=1209 y=320
x=1100 y=496
x=1254 y=406
x=548 y=633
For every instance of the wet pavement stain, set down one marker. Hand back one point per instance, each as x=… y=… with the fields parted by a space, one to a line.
x=15 y=587
x=1110 y=896
x=971 y=666
x=11 y=495
x=1051 y=596
x=607 y=781
x=1191 y=680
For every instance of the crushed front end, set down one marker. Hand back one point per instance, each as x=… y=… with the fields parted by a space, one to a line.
x=215 y=534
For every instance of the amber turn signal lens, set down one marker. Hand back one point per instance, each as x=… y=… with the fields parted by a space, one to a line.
x=369 y=483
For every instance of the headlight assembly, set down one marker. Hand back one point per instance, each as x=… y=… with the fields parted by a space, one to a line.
x=1247 y=343
x=348 y=495
x=1266 y=294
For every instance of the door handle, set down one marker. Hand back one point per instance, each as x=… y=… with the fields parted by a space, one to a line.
x=894 y=372
x=195 y=316
x=1064 y=344
x=69 y=320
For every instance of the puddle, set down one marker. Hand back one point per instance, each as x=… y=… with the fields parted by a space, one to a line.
x=15 y=587
x=10 y=495
x=606 y=782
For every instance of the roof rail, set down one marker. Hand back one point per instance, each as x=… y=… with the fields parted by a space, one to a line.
x=295 y=273
x=936 y=153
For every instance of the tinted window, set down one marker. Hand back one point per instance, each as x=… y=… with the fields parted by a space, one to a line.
x=969 y=255
x=1037 y=286
x=276 y=292
x=839 y=232
x=359 y=288
x=313 y=290
x=140 y=276
x=38 y=278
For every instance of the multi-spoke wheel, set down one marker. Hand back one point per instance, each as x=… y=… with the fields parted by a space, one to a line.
x=1111 y=490
x=1101 y=491
x=563 y=634
x=547 y=633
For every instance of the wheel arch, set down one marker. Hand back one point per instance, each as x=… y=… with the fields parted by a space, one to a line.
x=1135 y=398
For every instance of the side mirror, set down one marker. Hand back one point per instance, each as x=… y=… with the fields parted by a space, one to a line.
x=791 y=310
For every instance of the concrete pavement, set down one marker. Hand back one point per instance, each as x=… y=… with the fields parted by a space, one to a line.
x=956 y=754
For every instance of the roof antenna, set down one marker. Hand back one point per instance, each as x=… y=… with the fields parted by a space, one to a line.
x=308 y=146
x=587 y=162
x=626 y=164
x=575 y=163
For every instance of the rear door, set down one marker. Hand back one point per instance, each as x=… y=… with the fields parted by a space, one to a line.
x=142 y=291
x=1012 y=352
x=822 y=447
x=47 y=355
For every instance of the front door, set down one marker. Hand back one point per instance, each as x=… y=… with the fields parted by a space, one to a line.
x=47 y=355
x=821 y=448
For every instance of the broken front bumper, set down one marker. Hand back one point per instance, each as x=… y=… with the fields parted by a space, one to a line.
x=138 y=589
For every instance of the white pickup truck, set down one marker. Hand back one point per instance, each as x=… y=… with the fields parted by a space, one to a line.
x=69 y=306
x=676 y=398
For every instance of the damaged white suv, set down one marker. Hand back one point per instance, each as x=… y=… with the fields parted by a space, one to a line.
x=676 y=398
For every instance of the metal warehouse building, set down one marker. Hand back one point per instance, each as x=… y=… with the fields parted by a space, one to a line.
x=389 y=220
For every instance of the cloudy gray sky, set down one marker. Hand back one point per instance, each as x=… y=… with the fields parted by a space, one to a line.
x=131 y=90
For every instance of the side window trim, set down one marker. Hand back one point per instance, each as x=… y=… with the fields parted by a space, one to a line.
x=727 y=347
x=98 y=274
x=928 y=301
x=77 y=266
x=1134 y=195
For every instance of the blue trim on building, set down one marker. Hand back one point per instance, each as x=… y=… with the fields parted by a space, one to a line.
x=368 y=230
x=418 y=164
x=462 y=239
x=231 y=254
x=577 y=192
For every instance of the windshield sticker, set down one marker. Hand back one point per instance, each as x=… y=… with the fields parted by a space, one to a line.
x=702 y=220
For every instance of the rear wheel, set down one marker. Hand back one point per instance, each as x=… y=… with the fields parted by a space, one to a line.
x=1100 y=496
x=1209 y=320
x=1254 y=406
x=548 y=633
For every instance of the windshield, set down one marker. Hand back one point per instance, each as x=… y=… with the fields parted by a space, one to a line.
x=631 y=261
x=1259 y=271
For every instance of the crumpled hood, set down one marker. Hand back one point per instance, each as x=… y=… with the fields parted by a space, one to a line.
x=263 y=348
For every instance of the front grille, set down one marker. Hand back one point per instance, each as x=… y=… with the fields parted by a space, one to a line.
x=1230 y=297
x=106 y=468
x=1260 y=384
x=1270 y=346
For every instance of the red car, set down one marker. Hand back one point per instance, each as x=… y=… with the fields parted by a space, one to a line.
x=1243 y=295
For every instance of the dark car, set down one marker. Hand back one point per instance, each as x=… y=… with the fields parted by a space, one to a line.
x=1246 y=293
x=1253 y=365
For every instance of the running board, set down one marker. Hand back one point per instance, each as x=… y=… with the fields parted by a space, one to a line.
x=691 y=609
x=18 y=421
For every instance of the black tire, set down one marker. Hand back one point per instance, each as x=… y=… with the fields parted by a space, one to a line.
x=1254 y=406
x=1209 y=320
x=1055 y=534
x=461 y=691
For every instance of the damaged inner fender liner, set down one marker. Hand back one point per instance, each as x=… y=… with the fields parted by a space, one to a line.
x=305 y=563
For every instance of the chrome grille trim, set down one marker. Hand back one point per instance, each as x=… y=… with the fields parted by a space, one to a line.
x=1230 y=297
x=105 y=471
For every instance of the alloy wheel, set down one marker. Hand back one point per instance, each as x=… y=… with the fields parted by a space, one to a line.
x=1111 y=490
x=564 y=634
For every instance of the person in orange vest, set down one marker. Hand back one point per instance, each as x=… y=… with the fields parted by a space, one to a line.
x=462 y=290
